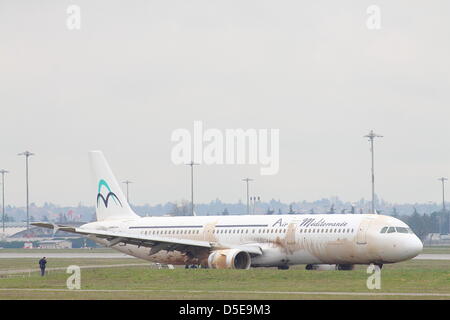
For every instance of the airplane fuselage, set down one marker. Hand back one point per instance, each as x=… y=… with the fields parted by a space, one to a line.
x=284 y=239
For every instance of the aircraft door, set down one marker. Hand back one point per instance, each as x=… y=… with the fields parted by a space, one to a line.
x=291 y=235
x=361 y=237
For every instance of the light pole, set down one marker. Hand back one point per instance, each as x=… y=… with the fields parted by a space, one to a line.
x=3 y=172
x=443 y=202
x=247 y=180
x=27 y=154
x=127 y=182
x=371 y=137
x=443 y=192
x=255 y=200
x=192 y=164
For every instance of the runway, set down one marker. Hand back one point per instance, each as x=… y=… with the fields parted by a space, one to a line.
x=100 y=266
x=114 y=255
x=65 y=255
x=433 y=256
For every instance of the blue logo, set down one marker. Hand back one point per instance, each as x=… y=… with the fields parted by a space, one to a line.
x=102 y=183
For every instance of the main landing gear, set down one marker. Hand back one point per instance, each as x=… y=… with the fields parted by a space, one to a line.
x=285 y=267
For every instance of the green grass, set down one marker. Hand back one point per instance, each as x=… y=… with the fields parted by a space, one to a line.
x=437 y=250
x=413 y=276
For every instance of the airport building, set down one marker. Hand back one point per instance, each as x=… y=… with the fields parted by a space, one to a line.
x=55 y=244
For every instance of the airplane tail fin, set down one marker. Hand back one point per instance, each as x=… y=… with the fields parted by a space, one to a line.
x=110 y=202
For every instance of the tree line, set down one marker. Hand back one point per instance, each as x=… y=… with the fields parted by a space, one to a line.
x=424 y=224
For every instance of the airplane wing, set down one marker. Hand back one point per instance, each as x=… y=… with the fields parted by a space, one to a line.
x=154 y=242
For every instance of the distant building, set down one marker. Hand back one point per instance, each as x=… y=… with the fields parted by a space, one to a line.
x=55 y=244
x=437 y=239
x=28 y=245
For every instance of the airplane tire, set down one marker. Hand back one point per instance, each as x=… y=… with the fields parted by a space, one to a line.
x=283 y=267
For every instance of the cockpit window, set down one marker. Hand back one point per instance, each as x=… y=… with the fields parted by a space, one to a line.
x=391 y=230
x=402 y=230
x=396 y=229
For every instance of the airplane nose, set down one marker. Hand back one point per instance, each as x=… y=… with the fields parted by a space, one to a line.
x=401 y=249
x=412 y=247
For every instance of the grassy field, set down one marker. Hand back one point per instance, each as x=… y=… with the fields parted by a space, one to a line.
x=143 y=282
x=436 y=249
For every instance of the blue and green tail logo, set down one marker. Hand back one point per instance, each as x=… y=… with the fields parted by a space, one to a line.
x=109 y=195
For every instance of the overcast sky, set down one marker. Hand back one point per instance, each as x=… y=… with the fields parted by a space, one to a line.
x=137 y=70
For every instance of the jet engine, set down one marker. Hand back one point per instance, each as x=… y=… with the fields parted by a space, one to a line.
x=229 y=259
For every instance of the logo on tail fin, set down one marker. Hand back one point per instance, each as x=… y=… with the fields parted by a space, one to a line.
x=109 y=195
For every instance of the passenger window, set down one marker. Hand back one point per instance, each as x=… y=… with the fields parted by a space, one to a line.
x=391 y=230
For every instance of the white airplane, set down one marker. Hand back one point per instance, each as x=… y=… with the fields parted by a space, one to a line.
x=320 y=241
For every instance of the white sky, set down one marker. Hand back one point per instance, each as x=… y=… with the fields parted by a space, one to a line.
x=137 y=70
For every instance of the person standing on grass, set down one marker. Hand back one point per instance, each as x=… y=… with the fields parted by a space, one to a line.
x=42 y=264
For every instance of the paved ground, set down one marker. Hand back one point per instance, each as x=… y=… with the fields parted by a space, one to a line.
x=38 y=255
x=114 y=255
x=433 y=256
x=9 y=272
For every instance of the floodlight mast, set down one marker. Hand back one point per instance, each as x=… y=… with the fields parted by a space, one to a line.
x=371 y=137
x=27 y=154
x=127 y=182
x=192 y=164
x=443 y=180
x=3 y=172
x=247 y=180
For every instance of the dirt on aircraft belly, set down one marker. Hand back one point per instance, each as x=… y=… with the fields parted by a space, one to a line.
x=341 y=250
x=178 y=258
